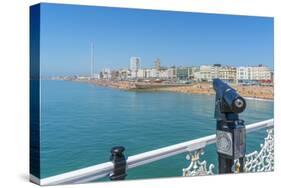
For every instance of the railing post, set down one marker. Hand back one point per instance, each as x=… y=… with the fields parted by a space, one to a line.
x=231 y=134
x=120 y=164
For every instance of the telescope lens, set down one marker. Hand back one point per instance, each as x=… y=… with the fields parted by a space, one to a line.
x=239 y=103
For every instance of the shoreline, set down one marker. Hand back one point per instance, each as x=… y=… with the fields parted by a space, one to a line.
x=261 y=93
x=259 y=99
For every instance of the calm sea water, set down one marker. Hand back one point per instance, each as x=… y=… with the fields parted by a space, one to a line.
x=80 y=123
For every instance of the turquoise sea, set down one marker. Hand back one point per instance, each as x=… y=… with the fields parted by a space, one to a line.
x=80 y=123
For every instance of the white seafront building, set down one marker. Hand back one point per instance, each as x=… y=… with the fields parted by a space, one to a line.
x=151 y=73
x=258 y=73
x=134 y=66
x=204 y=73
x=243 y=73
x=254 y=73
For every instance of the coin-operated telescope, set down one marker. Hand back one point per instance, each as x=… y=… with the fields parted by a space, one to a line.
x=230 y=133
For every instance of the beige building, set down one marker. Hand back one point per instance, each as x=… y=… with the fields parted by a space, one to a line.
x=227 y=73
x=210 y=72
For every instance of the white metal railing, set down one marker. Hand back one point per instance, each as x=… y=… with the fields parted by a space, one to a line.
x=104 y=169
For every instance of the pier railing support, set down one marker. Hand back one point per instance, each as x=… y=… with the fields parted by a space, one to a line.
x=120 y=163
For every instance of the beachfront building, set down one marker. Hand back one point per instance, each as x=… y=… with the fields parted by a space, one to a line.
x=147 y=73
x=186 y=73
x=83 y=77
x=192 y=71
x=227 y=73
x=243 y=73
x=114 y=75
x=141 y=74
x=215 y=71
x=105 y=74
x=253 y=74
x=210 y=72
x=167 y=73
x=260 y=73
x=204 y=73
x=134 y=66
x=171 y=73
x=124 y=74
x=157 y=64
x=182 y=73
x=154 y=73
x=163 y=74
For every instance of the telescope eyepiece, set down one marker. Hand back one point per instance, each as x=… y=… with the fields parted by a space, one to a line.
x=239 y=105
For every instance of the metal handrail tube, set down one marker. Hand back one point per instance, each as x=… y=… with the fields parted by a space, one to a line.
x=104 y=169
x=259 y=125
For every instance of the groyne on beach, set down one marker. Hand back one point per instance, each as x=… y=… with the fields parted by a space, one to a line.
x=253 y=92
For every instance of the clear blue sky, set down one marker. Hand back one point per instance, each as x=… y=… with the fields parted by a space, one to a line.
x=177 y=38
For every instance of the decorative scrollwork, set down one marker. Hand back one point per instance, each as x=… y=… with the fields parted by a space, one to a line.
x=262 y=161
x=257 y=161
x=197 y=167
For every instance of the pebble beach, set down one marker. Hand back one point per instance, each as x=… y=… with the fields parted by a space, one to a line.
x=252 y=92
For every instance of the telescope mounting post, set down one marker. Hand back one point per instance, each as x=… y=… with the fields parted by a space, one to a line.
x=230 y=130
